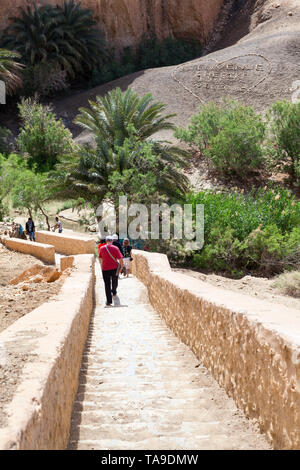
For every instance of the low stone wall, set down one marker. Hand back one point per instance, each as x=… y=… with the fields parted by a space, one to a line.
x=251 y=347
x=66 y=244
x=53 y=336
x=44 y=252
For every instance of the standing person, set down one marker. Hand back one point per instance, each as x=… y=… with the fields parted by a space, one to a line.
x=127 y=255
x=102 y=243
x=58 y=225
x=117 y=243
x=30 y=229
x=109 y=256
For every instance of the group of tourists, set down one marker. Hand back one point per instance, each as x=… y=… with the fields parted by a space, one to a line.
x=19 y=232
x=115 y=259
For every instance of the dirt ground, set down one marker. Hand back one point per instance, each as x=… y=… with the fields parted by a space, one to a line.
x=14 y=301
x=261 y=288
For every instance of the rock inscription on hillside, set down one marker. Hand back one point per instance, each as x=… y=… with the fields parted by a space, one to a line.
x=235 y=75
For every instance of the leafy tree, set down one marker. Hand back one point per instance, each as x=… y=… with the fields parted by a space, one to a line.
x=64 y=36
x=42 y=138
x=229 y=135
x=10 y=169
x=25 y=188
x=284 y=142
x=31 y=191
x=10 y=70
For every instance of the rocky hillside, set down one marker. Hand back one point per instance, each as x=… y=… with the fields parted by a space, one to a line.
x=256 y=60
x=125 y=21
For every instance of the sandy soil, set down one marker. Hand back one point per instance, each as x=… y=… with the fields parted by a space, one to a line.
x=14 y=301
x=261 y=288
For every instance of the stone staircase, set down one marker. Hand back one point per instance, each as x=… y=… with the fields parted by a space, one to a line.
x=141 y=388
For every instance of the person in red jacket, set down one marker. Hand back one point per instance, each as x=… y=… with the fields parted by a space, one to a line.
x=110 y=258
x=102 y=243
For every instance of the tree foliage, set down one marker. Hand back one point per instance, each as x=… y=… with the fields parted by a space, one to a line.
x=42 y=138
x=124 y=126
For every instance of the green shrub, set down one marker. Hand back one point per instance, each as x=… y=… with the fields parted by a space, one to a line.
x=43 y=138
x=258 y=232
x=284 y=143
x=288 y=283
x=170 y=51
x=150 y=53
x=5 y=145
x=229 y=135
x=44 y=80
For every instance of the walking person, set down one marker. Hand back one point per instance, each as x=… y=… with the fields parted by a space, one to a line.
x=127 y=256
x=117 y=243
x=30 y=229
x=111 y=258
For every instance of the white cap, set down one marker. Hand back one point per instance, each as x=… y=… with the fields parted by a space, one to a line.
x=115 y=236
x=109 y=238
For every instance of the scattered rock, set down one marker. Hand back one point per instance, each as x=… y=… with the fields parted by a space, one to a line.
x=54 y=276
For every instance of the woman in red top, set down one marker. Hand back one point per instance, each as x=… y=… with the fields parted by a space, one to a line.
x=109 y=256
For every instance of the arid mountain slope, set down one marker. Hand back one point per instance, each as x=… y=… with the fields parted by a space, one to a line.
x=125 y=21
x=260 y=68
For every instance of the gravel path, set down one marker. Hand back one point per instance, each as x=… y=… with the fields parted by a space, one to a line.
x=141 y=388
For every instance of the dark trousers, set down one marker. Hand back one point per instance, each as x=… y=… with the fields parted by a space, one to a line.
x=110 y=279
x=32 y=236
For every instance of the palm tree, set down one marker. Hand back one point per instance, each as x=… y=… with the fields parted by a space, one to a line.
x=64 y=36
x=34 y=34
x=10 y=70
x=80 y=33
x=88 y=173
x=122 y=124
x=113 y=116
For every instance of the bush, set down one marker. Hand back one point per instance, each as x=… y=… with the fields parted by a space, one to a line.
x=150 y=53
x=170 y=51
x=229 y=135
x=288 y=283
x=43 y=138
x=284 y=144
x=44 y=80
x=258 y=232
